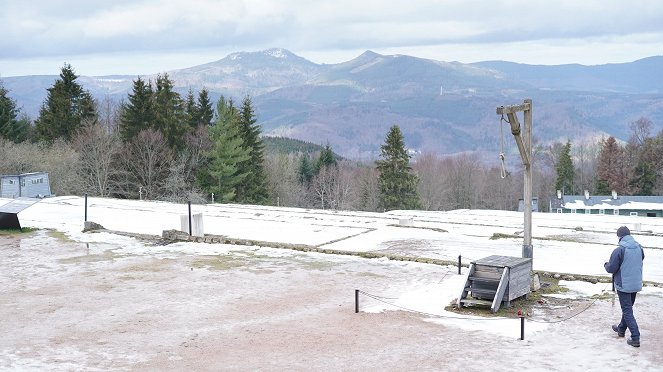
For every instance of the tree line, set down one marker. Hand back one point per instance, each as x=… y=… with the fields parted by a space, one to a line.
x=159 y=145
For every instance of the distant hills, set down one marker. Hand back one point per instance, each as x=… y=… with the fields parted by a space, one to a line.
x=441 y=107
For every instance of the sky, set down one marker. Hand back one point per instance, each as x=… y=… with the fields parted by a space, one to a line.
x=149 y=36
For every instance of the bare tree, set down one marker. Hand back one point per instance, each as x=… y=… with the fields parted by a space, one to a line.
x=640 y=131
x=180 y=185
x=432 y=186
x=98 y=151
x=109 y=113
x=367 y=190
x=147 y=160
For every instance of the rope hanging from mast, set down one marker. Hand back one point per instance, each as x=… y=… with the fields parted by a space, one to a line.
x=503 y=168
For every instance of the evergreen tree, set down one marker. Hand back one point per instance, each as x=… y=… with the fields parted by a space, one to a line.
x=253 y=188
x=221 y=172
x=169 y=113
x=67 y=108
x=11 y=128
x=204 y=108
x=199 y=112
x=565 y=171
x=648 y=163
x=305 y=170
x=397 y=183
x=191 y=110
x=325 y=159
x=138 y=113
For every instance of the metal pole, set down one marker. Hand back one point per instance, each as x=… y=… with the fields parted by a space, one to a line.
x=522 y=327
x=189 y=218
x=356 y=301
x=528 y=250
x=86 y=207
x=458 y=264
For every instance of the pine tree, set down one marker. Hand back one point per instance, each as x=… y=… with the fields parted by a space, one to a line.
x=397 y=183
x=169 y=113
x=648 y=163
x=253 y=188
x=565 y=171
x=11 y=128
x=191 y=110
x=220 y=174
x=199 y=112
x=67 y=108
x=305 y=170
x=325 y=159
x=138 y=113
x=204 y=108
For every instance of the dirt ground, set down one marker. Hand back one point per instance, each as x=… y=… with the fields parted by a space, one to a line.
x=76 y=306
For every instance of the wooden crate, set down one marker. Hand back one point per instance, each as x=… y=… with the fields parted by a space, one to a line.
x=519 y=278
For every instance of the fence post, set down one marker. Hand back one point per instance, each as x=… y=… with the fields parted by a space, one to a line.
x=189 y=218
x=522 y=327
x=85 y=207
x=458 y=264
x=356 y=301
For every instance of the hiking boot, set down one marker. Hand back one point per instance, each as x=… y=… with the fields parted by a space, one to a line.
x=634 y=343
x=615 y=328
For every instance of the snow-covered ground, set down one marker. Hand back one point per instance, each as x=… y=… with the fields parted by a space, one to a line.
x=123 y=287
x=565 y=243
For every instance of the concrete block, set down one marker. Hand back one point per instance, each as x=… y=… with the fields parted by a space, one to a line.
x=197 y=228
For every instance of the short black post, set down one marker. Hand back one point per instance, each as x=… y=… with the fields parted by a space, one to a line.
x=458 y=264
x=189 y=218
x=86 y=207
x=356 y=301
x=613 y=282
x=522 y=327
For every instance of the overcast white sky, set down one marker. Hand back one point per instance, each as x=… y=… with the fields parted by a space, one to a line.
x=99 y=37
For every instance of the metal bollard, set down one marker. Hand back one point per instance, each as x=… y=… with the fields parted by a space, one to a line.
x=522 y=327
x=189 y=218
x=356 y=301
x=458 y=264
x=86 y=207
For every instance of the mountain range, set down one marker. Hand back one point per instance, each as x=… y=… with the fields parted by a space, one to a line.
x=441 y=107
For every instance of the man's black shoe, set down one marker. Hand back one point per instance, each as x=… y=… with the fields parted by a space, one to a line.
x=615 y=328
x=633 y=343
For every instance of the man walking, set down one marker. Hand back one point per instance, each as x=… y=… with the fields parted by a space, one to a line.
x=626 y=266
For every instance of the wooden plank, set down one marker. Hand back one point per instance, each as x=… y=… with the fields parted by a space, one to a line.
x=513 y=108
x=479 y=279
x=463 y=293
x=473 y=301
x=504 y=282
x=483 y=293
x=488 y=275
x=501 y=261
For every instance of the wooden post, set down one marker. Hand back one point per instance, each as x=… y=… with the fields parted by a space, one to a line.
x=524 y=142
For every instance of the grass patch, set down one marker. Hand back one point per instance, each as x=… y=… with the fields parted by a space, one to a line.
x=522 y=303
x=221 y=262
x=59 y=235
x=23 y=230
x=503 y=236
x=155 y=266
x=108 y=255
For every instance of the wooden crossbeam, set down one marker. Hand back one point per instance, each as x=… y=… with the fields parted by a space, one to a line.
x=513 y=108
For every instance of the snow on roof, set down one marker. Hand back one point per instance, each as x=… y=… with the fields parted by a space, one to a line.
x=608 y=202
